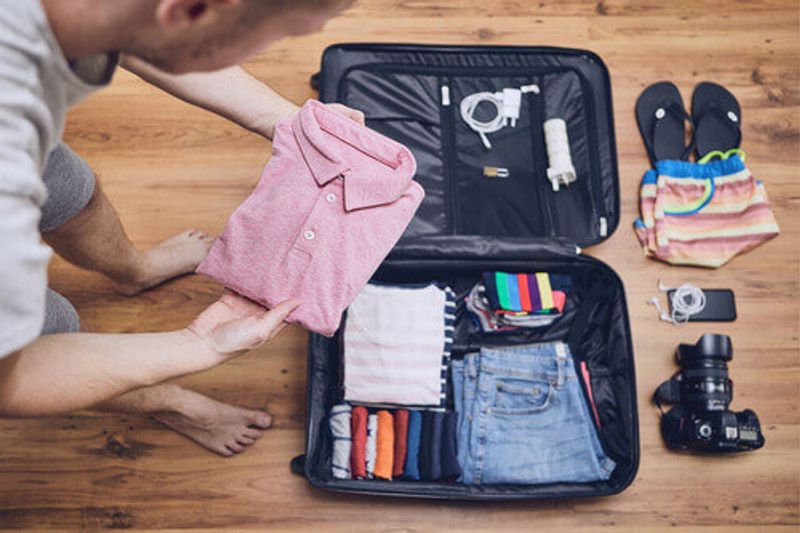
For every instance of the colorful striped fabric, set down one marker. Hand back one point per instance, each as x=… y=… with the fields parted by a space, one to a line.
x=702 y=214
x=523 y=293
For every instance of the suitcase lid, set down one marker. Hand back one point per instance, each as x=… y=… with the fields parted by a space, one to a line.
x=413 y=93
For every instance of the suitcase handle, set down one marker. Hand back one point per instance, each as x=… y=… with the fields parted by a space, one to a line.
x=298 y=465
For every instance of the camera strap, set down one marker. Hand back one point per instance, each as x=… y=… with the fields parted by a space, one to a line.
x=671 y=423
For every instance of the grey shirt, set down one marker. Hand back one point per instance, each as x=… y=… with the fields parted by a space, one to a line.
x=37 y=86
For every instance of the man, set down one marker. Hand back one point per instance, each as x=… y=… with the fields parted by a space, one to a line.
x=52 y=54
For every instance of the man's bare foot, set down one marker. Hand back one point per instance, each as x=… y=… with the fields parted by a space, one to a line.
x=171 y=258
x=220 y=427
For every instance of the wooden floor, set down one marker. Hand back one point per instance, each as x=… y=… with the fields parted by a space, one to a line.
x=167 y=167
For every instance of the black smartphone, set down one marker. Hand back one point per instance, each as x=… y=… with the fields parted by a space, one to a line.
x=720 y=306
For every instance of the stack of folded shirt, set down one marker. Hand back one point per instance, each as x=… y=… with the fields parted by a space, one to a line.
x=400 y=444
x=505 y=301
x=396 y=345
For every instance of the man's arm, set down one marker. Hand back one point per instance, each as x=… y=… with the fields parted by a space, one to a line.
x=231 y=93
x=70 y=371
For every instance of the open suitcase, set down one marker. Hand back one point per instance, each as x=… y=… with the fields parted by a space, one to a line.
x=468 y=224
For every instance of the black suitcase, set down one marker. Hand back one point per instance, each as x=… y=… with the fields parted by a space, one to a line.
x=469 y=223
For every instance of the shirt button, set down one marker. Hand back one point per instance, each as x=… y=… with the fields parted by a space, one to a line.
x=331 y=198
x=309 y=235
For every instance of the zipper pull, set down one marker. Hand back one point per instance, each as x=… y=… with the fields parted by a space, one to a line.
x=603 y=227
x=445 y=95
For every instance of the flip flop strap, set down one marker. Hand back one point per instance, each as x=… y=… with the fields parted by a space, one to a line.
x=676 y=111
x=726 y=117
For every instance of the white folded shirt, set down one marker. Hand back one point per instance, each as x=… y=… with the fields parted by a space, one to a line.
x=395 y=339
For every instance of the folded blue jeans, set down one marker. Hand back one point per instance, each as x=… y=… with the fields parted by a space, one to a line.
x=522 y=418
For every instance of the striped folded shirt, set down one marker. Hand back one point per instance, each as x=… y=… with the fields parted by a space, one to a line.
x=397 y=341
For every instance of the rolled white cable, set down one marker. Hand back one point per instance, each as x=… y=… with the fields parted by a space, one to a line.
x=687 y=300
x=468 y=106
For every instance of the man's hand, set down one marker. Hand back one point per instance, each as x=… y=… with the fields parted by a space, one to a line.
x=69 y=371
x=234 y=324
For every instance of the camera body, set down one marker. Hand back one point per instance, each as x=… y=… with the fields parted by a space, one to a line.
x=701 y=393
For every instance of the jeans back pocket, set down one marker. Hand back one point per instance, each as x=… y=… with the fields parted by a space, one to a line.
x=514 y=396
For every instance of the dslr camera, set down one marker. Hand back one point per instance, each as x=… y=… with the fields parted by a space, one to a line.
x=700 y=393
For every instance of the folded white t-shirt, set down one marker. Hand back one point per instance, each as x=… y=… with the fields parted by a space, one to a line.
x=395 y=339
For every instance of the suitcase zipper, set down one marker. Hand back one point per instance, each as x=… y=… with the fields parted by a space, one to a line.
x=537 y=111
x=448 y=151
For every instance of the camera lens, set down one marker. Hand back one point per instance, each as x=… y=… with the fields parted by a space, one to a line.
x=709 y=347
x=705 y=384
x=706 y=389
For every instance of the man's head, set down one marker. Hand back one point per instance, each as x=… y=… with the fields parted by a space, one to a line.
x=197 y=35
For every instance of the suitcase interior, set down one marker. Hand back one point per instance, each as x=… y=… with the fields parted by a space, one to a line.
x=468 y=224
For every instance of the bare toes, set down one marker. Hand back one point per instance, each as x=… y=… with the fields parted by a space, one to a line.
x=235 y=447
x=245 y=441
x=253 y=433
x=261 y=420
x=224 y=452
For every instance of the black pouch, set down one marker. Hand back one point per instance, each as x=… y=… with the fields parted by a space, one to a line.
x=469 y=223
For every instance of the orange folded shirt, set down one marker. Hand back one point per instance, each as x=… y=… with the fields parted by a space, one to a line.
x=384 y=462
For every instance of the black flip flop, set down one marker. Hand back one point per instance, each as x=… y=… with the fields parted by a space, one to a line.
x=717 y=117
x=662 y=122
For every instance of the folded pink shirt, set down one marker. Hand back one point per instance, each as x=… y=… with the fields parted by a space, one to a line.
x=332 y=202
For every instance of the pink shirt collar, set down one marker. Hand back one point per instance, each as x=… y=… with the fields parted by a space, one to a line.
x=313 y=127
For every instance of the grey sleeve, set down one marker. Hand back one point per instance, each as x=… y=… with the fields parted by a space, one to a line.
x=26 y=131
x=23 y=273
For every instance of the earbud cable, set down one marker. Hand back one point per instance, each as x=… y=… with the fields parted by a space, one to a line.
x=687 y=300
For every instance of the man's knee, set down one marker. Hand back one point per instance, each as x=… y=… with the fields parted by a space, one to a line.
x=71 y=188
x=60 y=316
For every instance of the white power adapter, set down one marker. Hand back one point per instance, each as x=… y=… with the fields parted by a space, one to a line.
x=512 y=104
x=560 y=170
x=507 y=102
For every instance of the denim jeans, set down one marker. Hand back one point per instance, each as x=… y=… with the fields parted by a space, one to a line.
x=523 y=419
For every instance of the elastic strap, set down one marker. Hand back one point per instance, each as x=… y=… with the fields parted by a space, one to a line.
x=723 y=155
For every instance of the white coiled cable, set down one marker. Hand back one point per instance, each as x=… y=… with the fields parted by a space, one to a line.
x=687 y=300
x=468 y=106
x=508 y=104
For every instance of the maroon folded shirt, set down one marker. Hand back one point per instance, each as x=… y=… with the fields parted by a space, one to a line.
x=358 y=450
x=400 y=439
